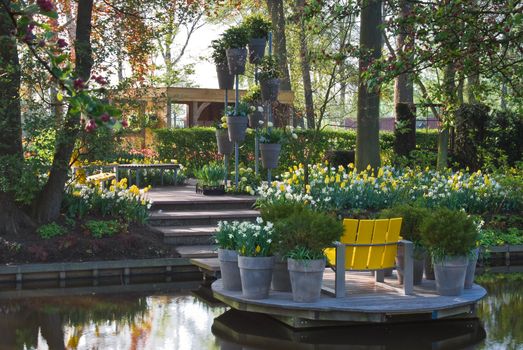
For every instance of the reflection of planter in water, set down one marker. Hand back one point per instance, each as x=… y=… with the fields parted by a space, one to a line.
x=270 y=154
x=270 y=89
x=419 y=263
x=306 y=279
x=236 y=59
x=225 y=146
x=471 y=269
x=237 y=127
x=450 y=275
x=281 y=280
x=256 y=275
x=254 y=119
x=256 y=50
x=229 y=269
x=225 y=79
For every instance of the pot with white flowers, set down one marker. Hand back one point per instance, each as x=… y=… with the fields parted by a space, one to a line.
x=269 y=77
x=303 y=236
x=270 y=146
x=253 y=98
x=237 y=122
x=225 y=146
x=450 y=236
x=235 y=40
x=226 y=238
x=255 y=258
x=219 y=56
x=258 y=28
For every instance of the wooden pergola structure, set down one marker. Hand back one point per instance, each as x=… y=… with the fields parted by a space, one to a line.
x=205 y=106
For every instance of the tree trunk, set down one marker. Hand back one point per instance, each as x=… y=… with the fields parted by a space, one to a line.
x=305 y=68
x=280 y=42
x=444 y=134
x=367 y=137
x=12 y=219
x=50 y=199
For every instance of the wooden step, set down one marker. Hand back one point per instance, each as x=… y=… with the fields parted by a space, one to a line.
x=199 y=218
x=223 y=203
x=187 y=235
x=198 y=251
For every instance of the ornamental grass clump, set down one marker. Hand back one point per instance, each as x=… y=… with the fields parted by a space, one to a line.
x=449 y=233
x=210 y=175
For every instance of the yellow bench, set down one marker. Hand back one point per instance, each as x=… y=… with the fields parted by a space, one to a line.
x=369 y=245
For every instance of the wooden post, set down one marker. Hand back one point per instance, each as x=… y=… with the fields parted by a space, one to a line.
x=408 y=270
x=339 y=279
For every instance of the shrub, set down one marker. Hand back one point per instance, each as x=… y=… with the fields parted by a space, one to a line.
x=412 y=216
x=257 y=26
x=101 y=228
x=51 y=230
x=448 y=232
x=236 y=37
x=218 y=54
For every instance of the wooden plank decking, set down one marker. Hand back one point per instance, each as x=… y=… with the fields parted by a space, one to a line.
x=365 y=301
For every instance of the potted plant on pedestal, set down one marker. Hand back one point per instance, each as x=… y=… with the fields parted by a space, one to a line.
x=237 y=122
x=225 y=146
x=253 y=98
x=269 y=77
x=235 y=40
x=410 y=230
x=270 y=146
x=226 y=238
x=303 y=236
x=210 y=180
x=219 y=56
x=450 y=236
x=258 y=28
x=255 y=258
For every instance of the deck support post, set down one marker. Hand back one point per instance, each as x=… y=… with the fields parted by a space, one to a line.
x=339 y=280
x=408 y=270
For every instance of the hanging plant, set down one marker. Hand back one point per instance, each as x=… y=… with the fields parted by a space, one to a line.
x=235 y=39
x=219 y=57
x=269 y=76
x=258 y=27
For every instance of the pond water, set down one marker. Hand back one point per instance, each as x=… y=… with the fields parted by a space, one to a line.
x=171 y=316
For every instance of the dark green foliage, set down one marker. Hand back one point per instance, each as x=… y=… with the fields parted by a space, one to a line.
x=412 y=216
x=257 y=26
x=218 y=55
x=196 y=147
x=306 y=231
x=505 y=138
x=448 y=232
x=269 y=69
x=276 y=211
x=340 y=157
x=101 y=228
x=51 y=230
x=236 y=37
x=471 y=132
x=253 y=95
x=211 y=175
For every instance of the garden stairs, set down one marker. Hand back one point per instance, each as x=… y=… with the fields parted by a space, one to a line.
x=188 y=220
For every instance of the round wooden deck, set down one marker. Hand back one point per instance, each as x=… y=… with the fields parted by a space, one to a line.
x=365 y=302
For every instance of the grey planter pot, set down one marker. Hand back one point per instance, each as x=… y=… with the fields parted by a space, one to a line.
x=471 y=269
x=225 y=146
x=306 y=279
x=270 y=154
x=429 y=269
x=225 y=79
x=419 y=264
x=270 y=89
x=256 y=50
x=281 y=280
x=229 y=269
x=236 y=126
x=236 y=59
x=450 y=275
x=254 y=120
x=256 y=276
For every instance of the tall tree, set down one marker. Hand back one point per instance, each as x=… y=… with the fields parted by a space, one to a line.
x=277 y=13
x=367 y=137
x=49 y=201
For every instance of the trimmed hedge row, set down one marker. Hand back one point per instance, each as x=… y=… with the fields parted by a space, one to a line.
x=195 y=147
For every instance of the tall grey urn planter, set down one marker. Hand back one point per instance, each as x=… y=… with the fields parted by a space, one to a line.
x=418 y=260
x=256 y=50
x=450 y=275
x=236 y=59
x=281 y=280
x=270 y=89
x=306 y=279
x=237 y=126
x=225 y=146
x=270 y=154
x=256 y=276
x=255 y=118
x=225 y=79
x=471 y=268
x=229 y=269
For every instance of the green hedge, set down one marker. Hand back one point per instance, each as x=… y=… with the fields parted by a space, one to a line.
x=195 y=147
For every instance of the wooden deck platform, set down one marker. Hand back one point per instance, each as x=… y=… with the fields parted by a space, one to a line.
x=365 y=302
